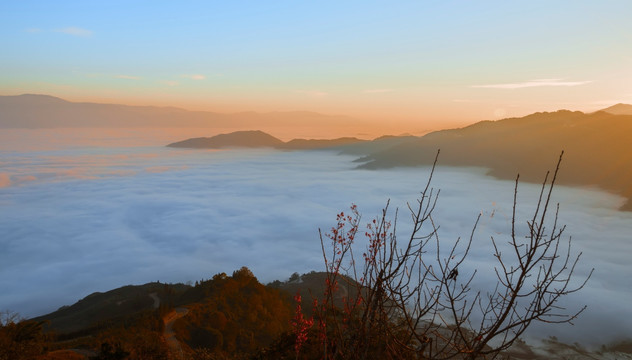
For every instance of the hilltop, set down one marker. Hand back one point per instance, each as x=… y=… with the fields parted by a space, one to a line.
x=243 y=139
x=619 y=109
x=222 y=315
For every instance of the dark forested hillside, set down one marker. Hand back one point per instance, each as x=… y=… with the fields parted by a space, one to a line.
x=222 y=317
x=236 y=314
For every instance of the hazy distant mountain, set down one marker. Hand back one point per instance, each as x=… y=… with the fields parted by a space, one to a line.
x=619 y=109
x=598 y=149
x=43 y=111
x=247 y=139
x=257 y=139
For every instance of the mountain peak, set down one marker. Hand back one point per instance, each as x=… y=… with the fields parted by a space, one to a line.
x=619 y=109
x=247 y=138
x=37 y=99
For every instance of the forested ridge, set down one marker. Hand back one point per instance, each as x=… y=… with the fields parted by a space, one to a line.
x=229 y=316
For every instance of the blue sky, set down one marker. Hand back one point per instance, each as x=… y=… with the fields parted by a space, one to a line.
x=451 y=61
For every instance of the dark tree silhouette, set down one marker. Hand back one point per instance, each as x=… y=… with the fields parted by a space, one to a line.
x=19 y=338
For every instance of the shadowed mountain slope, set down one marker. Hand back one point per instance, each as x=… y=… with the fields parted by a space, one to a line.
x=98 y=308
x=598 y=149
x=305 y=144
x=375 y=145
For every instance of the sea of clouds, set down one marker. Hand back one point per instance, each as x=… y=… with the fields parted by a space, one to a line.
x=80 y=219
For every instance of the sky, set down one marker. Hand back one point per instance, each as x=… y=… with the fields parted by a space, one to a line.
x=77 y=219
x=436 y=62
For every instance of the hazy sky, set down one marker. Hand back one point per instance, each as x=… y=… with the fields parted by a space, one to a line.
x=454 y=61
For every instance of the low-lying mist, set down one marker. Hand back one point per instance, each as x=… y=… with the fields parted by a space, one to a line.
x=79 y=220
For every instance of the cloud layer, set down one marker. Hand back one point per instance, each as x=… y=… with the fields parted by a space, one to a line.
x=80 y=220
x=75 y=31
x=534 y=83
x=194 y=76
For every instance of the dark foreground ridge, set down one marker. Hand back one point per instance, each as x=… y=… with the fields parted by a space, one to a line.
x=227 y=317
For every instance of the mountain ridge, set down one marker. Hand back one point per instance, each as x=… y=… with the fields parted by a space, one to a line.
x=596 y=149
x=46 y=111
x=619 y=109
x=260 y=139
x=243 y=139
x=74 y=330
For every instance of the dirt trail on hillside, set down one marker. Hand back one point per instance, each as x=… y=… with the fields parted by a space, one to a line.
x=156 y=299
x=169 y=335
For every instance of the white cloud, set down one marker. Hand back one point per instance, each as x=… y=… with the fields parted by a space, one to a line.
x=171 y=82
x=376 y=91
x=194 y=77
x=128 y=77
x=75 y=31
x=181 y=217
x=533 y=83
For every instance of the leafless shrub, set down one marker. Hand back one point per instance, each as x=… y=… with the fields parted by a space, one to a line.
x=408 y=299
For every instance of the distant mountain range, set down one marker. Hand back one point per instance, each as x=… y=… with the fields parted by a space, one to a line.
x=597 y=145
x=597 y=148
x=44 y=111
x=259 y=139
